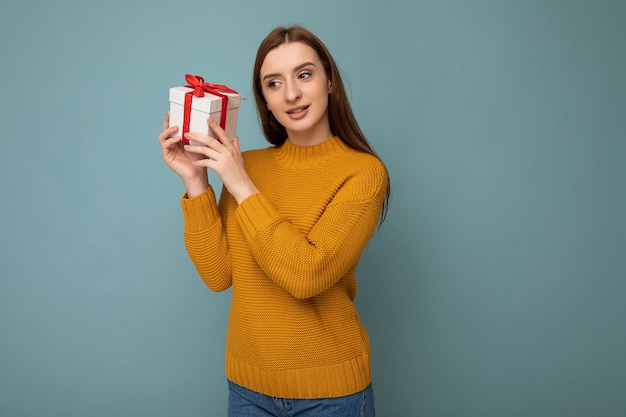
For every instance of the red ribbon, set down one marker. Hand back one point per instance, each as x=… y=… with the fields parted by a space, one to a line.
x=199 y=88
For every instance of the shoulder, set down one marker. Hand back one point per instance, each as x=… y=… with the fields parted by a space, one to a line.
x=365 y=164
x=364 y=175
x=252 y=155
x=368 y=162
x=259 y=151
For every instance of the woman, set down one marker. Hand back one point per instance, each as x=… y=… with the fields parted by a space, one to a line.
x=291 y=223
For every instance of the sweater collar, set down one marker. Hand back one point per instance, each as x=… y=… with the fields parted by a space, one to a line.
x=302 y=157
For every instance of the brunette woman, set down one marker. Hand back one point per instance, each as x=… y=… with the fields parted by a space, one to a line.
x=287 y=233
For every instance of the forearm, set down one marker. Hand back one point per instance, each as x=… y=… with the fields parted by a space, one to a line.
x=208 y=251
x=197 y=185
x=245 y=190
x=307 y=263
x=205 y=240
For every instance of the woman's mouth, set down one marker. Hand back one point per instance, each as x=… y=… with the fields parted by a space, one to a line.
x=297 y=112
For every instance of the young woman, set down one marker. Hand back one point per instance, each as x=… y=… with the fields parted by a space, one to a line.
x=291 y=223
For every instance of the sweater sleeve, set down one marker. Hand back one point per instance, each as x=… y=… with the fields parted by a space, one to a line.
x=206 y=240
x=306 y=264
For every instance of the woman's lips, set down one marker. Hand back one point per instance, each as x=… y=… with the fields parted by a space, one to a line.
x=297 y=112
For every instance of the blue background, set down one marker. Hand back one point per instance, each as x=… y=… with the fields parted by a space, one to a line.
x=495 y=288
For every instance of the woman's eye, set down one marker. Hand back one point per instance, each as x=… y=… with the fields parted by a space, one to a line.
x=272 y=84
x=304 y=75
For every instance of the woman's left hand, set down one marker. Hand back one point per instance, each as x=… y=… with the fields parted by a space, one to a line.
x=223 y=156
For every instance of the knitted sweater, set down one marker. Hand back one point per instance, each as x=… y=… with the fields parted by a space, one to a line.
x=290 y=254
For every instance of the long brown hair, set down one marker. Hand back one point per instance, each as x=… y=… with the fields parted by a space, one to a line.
x=342 y=121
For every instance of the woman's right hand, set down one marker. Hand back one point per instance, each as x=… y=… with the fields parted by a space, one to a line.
x=182 y=162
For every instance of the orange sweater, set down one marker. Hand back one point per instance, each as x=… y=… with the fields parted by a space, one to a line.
x=290 y=254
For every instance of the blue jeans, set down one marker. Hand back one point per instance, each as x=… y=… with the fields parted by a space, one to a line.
x=245 y=403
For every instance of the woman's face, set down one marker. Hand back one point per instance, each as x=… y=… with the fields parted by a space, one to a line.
x=296 y=88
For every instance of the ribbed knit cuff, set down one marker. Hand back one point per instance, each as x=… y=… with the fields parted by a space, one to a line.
x=254 y=213
x=200 y=212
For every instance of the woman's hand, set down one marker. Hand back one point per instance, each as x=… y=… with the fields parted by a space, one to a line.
x=224 y=157
x=181 y=162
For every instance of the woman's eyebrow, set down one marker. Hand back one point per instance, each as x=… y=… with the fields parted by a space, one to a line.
x=296 y=69
x=305 y=64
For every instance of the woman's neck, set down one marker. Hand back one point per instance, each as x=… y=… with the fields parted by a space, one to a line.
x=310 y=137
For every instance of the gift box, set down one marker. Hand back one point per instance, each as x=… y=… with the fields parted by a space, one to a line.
x=191 y=105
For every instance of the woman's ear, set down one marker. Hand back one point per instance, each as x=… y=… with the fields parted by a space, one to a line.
x=330 y=87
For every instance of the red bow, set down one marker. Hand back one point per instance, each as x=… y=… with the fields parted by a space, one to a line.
x=199 y=88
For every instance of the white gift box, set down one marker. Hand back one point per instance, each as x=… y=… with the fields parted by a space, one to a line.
x=201 y=109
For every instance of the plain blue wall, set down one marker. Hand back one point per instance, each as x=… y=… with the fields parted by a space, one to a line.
x=495 y=288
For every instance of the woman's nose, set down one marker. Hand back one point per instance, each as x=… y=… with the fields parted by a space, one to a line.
x=292 y=91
